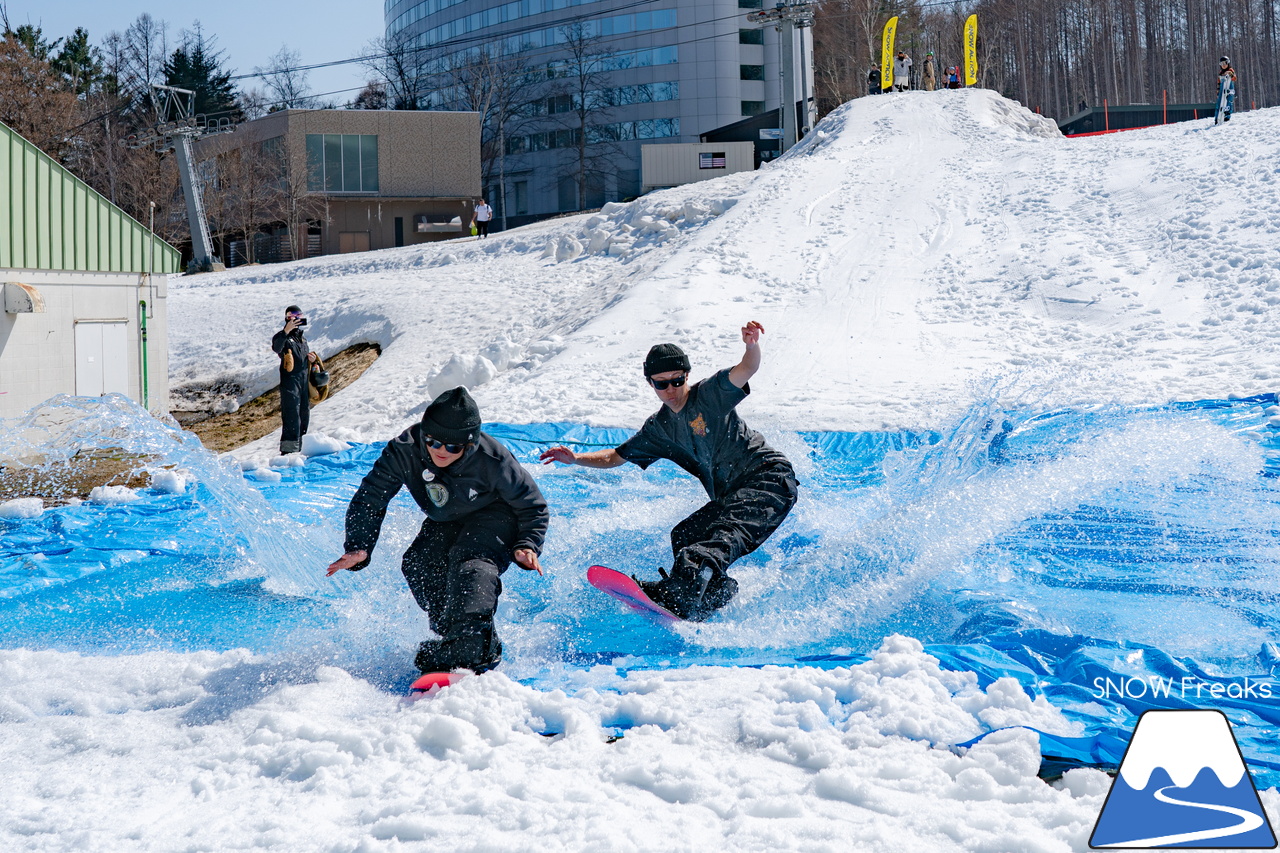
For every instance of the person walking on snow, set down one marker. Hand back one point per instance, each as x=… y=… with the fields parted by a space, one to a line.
x=484 y=215
x=928 y=77
x=752 y=486
x=483 y=511
x=1227 y=82
x=901 y=72
x=295 y=404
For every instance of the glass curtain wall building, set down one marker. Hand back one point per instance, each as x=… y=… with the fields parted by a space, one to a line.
x=604 y=77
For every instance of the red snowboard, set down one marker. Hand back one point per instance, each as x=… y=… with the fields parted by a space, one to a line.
x=434 y=681
x=626 y=590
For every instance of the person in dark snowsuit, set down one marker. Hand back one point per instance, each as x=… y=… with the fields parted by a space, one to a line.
x=295 y=405
x=483 y=511
x=752 y=486
x=873 y=80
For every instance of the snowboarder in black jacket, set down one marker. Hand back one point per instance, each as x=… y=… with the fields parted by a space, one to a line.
x=483 y=511
x=295 y=403
x=752 y=486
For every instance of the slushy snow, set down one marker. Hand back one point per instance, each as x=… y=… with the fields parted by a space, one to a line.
x=914 y=245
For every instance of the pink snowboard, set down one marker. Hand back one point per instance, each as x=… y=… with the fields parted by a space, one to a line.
x=626 y=590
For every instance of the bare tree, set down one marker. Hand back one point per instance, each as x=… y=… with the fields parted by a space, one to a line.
x=286 y=85
x=400 y=68
x=586 y=77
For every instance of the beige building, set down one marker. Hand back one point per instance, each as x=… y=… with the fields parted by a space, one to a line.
x=367 y=179
x=675 y=163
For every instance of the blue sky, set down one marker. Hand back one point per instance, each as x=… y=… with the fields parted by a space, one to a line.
x=249 y=31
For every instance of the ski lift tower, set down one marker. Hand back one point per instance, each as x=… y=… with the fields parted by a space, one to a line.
x=787 y=18
x=176 y=129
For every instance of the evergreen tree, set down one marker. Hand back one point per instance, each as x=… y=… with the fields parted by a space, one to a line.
x=198 y=66
x=80 y=62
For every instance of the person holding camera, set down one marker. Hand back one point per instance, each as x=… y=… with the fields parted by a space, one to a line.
x=483 y=510
x=295 y=404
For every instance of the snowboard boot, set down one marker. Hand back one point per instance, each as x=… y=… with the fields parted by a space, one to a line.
x=691 y=595
x=287 y=447
x=476 y=647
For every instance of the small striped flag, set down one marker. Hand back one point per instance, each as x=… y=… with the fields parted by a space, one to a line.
x=711 y=160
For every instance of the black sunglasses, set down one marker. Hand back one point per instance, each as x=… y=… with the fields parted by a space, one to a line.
x=448 y=448
x=664 y=384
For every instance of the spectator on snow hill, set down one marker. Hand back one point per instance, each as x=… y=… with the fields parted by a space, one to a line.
x=484 y=215
x=1227 y=77
x=902 y=72
x=953 y=77
x=295 y=407
x=873 y=80
x=483 y=511
x=752 y=486
x=929 y=77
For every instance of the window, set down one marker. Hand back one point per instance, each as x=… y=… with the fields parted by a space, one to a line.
x=752 y=36
x=750 y=4
x=342 y=163
x=522 y=197
x=752 y=108
x=750 y=72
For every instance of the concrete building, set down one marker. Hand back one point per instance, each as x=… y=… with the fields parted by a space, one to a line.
x=364 y=179
x=667 y=70
x=84 y=289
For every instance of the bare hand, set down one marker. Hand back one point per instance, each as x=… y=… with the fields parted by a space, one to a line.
x=346 y=561
x=559 y=453
x=751 y=333
x=527 y=559
x=290 y=324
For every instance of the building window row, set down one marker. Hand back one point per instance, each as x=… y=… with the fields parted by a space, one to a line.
x=606 y=62
x=645 y=93
x=752 y=36
x=658 y=128
x=616 y=25
x=750 y=72
x=497 y=15
x=342 y=162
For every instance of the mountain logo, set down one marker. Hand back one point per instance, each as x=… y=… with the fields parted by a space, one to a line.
x=1183 y=783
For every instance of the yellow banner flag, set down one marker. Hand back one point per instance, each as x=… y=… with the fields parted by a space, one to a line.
x=971 y=50
x=886 y=53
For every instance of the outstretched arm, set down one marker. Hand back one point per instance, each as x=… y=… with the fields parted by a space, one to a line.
x=742 y=372
x=596 y=459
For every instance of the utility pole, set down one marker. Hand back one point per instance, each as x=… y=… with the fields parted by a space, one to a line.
x=787 y=18
x=175 y=130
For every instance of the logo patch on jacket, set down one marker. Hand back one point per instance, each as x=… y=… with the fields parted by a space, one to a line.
x=471 y=495
x=699 y=426
x=438 y=494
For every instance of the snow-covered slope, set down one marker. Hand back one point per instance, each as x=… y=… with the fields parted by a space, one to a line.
x=910 y=245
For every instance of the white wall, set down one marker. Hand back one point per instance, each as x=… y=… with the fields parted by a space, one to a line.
x=38 y=351
x=675 y=163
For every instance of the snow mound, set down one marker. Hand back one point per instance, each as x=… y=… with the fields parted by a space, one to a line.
x=22 y=508
x=109 y=495
x=319 y=444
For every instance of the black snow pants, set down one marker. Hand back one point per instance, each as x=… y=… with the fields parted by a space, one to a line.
x=454 y=570
x=295 y=406
x=721 y=532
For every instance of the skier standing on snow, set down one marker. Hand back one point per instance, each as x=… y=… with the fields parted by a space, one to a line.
x=483 y=511
x=295 y=405
x=1226 y=90
x=929 y=77
x=874 y=86
x=751 y=485
x=901 y=72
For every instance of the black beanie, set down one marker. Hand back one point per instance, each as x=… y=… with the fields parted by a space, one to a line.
x=292 y=309
x=453 y=417
x=663 y=358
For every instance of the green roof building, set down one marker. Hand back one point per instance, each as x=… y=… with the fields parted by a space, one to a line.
x=84 y=289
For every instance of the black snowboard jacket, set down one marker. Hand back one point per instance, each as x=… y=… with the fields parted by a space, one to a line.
x=295 y=343
x=486 y=473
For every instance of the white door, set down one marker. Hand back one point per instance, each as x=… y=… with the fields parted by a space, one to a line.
x=102 y=358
